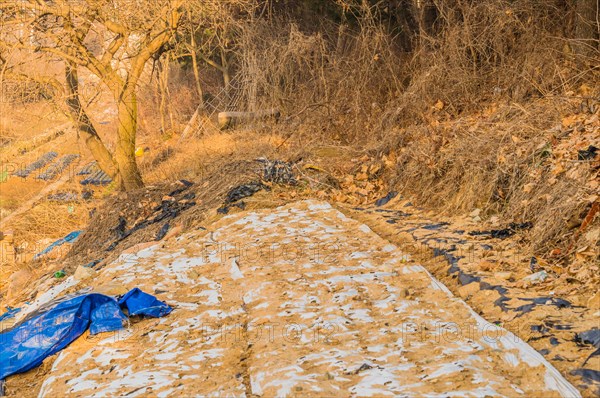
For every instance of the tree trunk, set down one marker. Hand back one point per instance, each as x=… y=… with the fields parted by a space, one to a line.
x=126 y=132
x=226 y=77
x=586 y=27
x=196 y=70
x=84 y=125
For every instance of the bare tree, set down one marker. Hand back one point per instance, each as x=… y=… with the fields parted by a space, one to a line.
x=587 y=27
x=134 y=32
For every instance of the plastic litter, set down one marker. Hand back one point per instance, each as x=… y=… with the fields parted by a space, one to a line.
x=240 y=192
x=504 y=233
x=38 y=164
x=92 y=264
x=28 y=343
x=59 y=274
x=590 y=376
x=70 y=238
x=169 y=208
x=162 y=232
x=70 y=196
x=98 y=178
x=386 y=198
x=89 y=168
x=587 y=154
x=244 y=191
x=10 y=313
x=57 y=167
x=592 y=337
x=277 y=171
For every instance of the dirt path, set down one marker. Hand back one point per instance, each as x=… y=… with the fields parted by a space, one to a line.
x=300 y=301
x=490 y=274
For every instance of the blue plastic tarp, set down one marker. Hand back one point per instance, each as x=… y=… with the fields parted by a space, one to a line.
x=69 y=238
x=27 y=344
x=10 y=313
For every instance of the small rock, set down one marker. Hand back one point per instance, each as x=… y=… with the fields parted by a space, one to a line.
x=538 y=277
x=475 y=213
x=404 y=293
x=82 y=273
x=503 y=275
x=17 y=283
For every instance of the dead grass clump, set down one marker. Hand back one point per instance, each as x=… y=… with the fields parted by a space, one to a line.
x=518 y=161
x=486 y=51
x=210 y=192
x=342 y=74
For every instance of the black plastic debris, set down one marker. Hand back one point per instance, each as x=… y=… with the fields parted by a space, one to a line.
x=588 y=375
x=89 y=168
x=70 y=196
x=555 y=301
x=364 y=366
x=162 y=232
x=92 y=264
x=533 y=264
x=185 y=184
x=38 y=164
x=450 y=258
x=169 y=208
x=386 y=198
x=119 y=230
x=501 y=302
x=534 y=302
x=225 y=208
x=277 y=171
x=500 y=289
x=244 y=191
x=97 y=178
x=587 y=154
x=539 y=328
x=435 y=227
x=592 y=337
x=240 y=192
x=465 y=278
x=57 y=167
x=385 y=210
x=504 y=233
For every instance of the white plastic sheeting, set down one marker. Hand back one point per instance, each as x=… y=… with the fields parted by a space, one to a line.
x=298 y=300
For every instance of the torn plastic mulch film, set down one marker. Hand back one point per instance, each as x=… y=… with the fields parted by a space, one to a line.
x=27 y=344
x=69 y=238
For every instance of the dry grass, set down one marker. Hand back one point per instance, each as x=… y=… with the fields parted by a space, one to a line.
x=463 y=115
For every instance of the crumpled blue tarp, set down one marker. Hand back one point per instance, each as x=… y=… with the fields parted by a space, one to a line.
x=10 y=313
x=69 y=238
x=27 y=344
